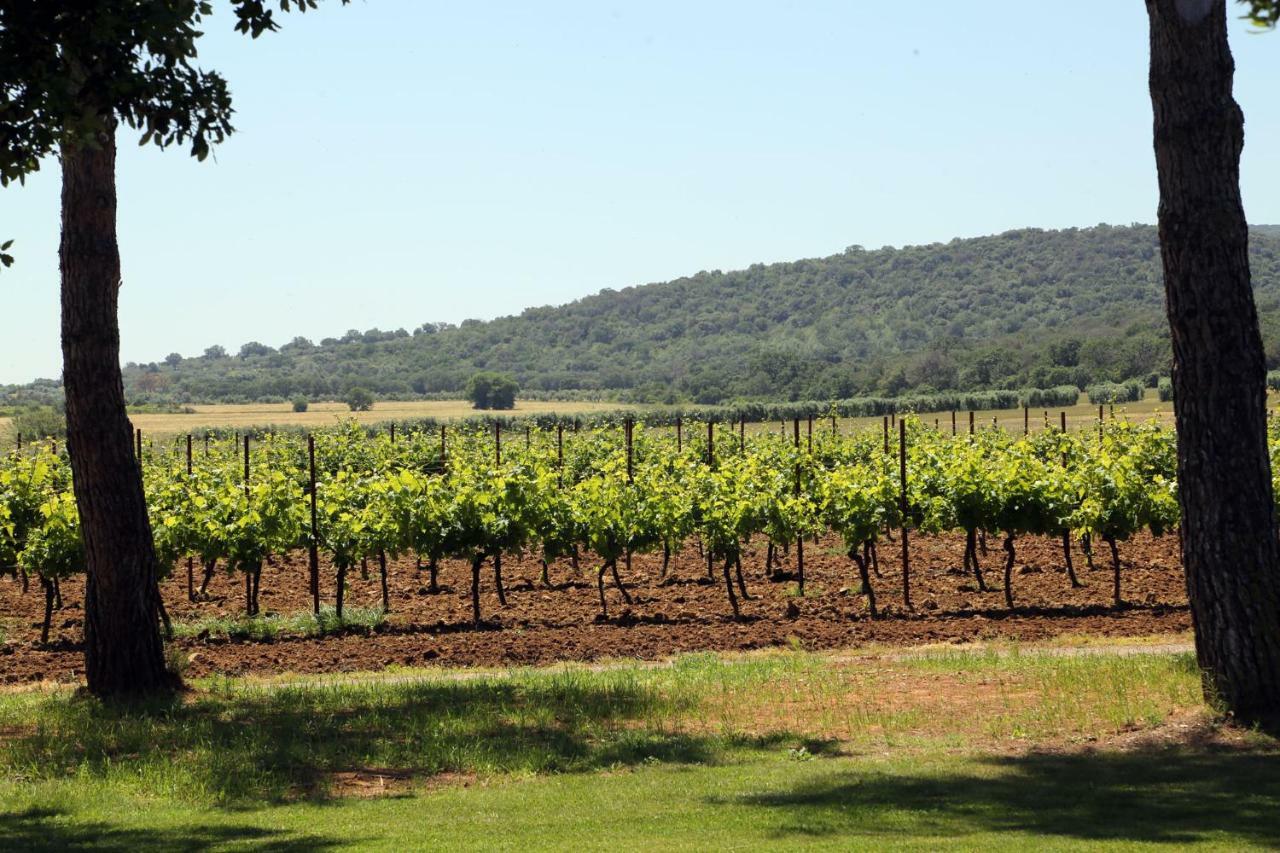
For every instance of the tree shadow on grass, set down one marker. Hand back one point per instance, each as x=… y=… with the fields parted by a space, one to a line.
x=1172 y=795
x=48 y=829
x=243 y=747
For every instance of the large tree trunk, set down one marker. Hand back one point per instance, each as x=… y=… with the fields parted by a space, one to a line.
x=1229 y=543
x=123 y=650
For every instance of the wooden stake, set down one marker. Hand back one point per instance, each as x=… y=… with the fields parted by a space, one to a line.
x=906 y=551
x=191 y=569
x=627 y=425
x=313 y=548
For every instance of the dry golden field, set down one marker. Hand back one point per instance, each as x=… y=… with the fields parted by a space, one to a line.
x=319 y=415
x=1081 y=415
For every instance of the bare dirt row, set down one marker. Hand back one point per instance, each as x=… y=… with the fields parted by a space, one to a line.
x=684 y=612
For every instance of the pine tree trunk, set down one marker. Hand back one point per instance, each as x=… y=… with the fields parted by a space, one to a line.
x=122 y=646
x=1229 y=544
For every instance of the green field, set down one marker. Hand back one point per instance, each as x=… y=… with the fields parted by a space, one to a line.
x=1002 y=748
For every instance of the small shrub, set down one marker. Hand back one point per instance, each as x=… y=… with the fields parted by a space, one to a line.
x=1044 y=398
x=489 y=390
x=359 y=399
x=1165 y=390
x=299 y=404
x=1112 y=392
x=42 y=422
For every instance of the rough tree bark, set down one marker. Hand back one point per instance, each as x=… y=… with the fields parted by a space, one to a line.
x=123 y=649
x=1229 y=544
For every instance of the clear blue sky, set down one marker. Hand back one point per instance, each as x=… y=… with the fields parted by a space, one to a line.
x=401 y=161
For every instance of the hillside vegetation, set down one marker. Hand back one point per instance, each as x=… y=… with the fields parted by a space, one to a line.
x=1027 y=308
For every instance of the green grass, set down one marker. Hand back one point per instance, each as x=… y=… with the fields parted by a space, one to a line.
x=271 y=626
x=785 y=749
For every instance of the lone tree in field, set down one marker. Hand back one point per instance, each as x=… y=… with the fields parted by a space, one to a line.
x=1229 y=543
x=492 y=391
x=358 y=399
x=70 y=74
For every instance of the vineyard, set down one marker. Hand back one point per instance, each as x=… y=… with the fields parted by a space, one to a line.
x=694 y=534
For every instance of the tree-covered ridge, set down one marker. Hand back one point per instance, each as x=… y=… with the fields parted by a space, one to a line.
x=1024 y=308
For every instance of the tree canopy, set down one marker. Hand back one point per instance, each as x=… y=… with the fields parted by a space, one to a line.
x=489 y=390
x=1027 y=308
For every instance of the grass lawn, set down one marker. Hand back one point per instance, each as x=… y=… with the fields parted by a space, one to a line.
x=1002 y=748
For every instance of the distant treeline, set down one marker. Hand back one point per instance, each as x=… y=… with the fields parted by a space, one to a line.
x=1026 y=308
x=1035 y=398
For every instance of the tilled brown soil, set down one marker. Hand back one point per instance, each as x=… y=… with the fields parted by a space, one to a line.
x=687 y=612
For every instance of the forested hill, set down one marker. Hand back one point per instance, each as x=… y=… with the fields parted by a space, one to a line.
x=1024 y=308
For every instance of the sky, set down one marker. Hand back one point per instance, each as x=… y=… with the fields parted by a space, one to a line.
x=399 y=162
